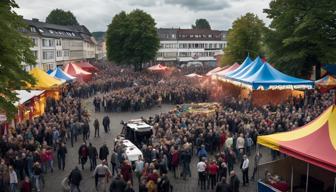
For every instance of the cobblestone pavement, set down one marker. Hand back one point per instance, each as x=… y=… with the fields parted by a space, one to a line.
x=53 y=180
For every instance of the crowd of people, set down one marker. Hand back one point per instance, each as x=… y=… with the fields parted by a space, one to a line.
x=219 y=140
x=136 y=98
x=29 y=150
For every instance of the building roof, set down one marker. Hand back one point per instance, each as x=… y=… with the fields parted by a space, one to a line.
x=191 y=34
x=58 y=31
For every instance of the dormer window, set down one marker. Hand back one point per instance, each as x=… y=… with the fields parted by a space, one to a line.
x=33 y=29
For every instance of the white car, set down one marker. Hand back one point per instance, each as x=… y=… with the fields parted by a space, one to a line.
x=132 y=151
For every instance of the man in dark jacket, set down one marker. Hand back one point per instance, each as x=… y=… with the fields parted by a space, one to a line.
x=234 y=182
x=61 y=152
x=92 y=156
x=223 y=186
x=75 y=178
x=86 y=130
x=118 y=184
x=96 y=127
x=106 y=124
x=103 y=152
x=83 y=153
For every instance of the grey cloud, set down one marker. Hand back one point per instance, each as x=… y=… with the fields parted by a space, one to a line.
x=200 y=5
x=142 y=3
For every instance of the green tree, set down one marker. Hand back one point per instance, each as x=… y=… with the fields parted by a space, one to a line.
x=131 y=39
x=245 y=37
x=61 y=17
x=302 y=34
x=201 y=24
x=14 y=49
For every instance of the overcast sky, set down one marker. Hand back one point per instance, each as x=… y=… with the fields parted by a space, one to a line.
x=97 y=14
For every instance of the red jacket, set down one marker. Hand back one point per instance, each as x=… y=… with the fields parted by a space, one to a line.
x=213 y=169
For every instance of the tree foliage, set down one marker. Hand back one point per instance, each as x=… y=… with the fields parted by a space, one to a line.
x=61 y=17
x=245 y=37
x=302 y=34
x=131 y=39
x=14 y=49
x=201 y=24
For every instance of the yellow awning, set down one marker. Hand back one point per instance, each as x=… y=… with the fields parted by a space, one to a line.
x=43 y=80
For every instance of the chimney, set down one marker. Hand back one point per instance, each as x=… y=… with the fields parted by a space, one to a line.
x=35 y=20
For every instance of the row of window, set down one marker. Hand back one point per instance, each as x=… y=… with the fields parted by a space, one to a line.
x=186 y=54
x=197 y=36
x=71 y=34
x=192 y=45
x=50 y=54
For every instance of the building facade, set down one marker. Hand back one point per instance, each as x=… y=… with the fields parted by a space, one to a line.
x=181 y=46
x=57 y=45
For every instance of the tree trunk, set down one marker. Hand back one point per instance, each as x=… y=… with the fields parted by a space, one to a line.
x=317 y=70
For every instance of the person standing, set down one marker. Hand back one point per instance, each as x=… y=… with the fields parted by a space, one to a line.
x=223 y=186
x=234 y=182
x=240 y=145
x=213 y=171
x=93 y=154
x=103 y=152
x=185 y=160
x=245 y=167
x=201 y=168
x=13 y=180
x=118 y=184
x=83 y=154
x=75 y=178
x=37 y=176
x=96 y=127
x=126 y=171
x=61 y=153
x=101 y=174
x=257 y=158
x=114 y=162
x=106 y=124
x=139 y=166
x=86 y=130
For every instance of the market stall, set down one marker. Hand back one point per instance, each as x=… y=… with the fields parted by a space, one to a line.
x=43 y=80
x=75 y=71
x=227 y=70
x=215 y=70
x=257 y=78
x=326 y=83
x=30 y=104
x=61 y=75
x=314 y=144
x=87 y=66
x=200 y=108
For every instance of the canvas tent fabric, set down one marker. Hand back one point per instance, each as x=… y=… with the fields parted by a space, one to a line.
x=245 y=64
x=87 y=66
x=43 y=80
x=60 y=74
x=313 y=143
x=158 y=67
x=215 y=70
x=258 y=75
x=194 y=75
x=227 y=70
x=326 y=81
x=330 y=68
x=75 y=71
x=267 y=77
x=25 y=96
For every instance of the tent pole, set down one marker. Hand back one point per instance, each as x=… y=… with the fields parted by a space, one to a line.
x=307 y=179
x=292 y=178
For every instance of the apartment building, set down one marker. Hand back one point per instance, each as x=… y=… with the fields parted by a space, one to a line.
x=56 y=45
x=180 y=46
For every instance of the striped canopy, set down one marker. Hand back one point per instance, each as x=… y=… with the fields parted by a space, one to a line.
x=326 y=81
x=313 y=143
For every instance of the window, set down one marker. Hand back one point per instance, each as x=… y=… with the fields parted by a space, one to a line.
x=40 y=30
x=35 y=53
x=33 y=29
x=173 y=36
x=47 y=42
x=35 y=43
x=66 y=53
x=51 y=31
x=58 y=53
x=48 y=55
x=58 y=42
